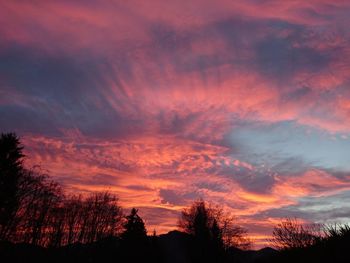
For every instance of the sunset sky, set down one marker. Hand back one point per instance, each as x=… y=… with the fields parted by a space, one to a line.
x=241 y=103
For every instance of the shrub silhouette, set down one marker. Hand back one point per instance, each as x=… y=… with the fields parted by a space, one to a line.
x=331 y=245
x=291 y=234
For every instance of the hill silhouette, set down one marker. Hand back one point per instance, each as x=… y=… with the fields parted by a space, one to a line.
x=173 y=247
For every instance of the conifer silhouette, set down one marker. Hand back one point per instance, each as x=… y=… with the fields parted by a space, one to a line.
x=11 y=157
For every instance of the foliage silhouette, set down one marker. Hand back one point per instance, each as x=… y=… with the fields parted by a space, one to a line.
x=39 y=223
x=11 y=157
x=208 y=221
x=291 y=234
x=213 y=231
x=135 y=230
x=135 y=244
x=34 y=212
x=332 y=246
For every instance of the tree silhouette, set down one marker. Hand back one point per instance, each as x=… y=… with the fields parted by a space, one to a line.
x=135 y=230
x=39 y=209
x=35 y=212
x=206 y=221
x=11 y=157
x=212 y=230
x=135 y=245
x=290 y=234
x=216 y=232
x=198 y=221
x=102 y=217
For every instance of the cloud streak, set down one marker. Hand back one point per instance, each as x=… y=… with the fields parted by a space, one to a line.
x=243 y=103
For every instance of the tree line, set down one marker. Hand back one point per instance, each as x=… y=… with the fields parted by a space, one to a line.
x=35 y=210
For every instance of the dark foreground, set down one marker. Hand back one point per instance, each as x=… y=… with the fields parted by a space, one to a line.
x=174 y=247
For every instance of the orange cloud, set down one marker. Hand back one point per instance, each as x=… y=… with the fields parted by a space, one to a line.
x=140 y=98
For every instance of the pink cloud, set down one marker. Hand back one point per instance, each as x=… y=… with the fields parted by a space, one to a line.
x=172 y=80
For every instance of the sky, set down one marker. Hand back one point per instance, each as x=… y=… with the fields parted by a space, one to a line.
x=242 y=103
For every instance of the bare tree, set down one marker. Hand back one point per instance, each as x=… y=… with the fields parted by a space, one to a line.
x=34 y=210
x=234 y=235
x=100 y=216
x=290 y=233
x=56 y=228
x=104 y=216
x=46 y=196
x=73 y=207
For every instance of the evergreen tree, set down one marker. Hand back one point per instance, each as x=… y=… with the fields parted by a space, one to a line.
x=11 y=169
x=212 y=231
x=216 y=233
x=135 y=230
x=135 y=246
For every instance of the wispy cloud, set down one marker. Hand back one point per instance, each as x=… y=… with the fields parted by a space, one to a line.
x=245 y=103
